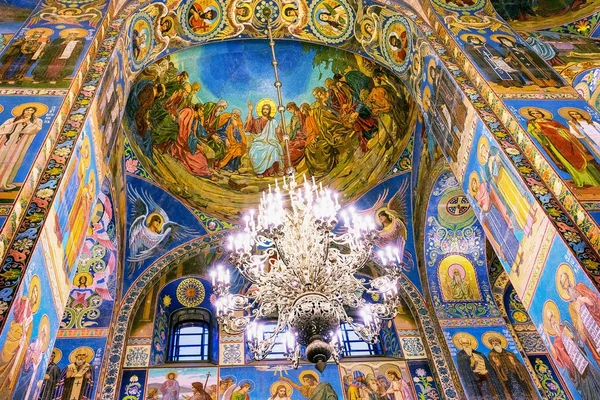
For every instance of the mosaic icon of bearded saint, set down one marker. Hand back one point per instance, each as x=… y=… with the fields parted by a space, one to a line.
x=23 y=53
x=281 y=391
x=474 y=369
x=568 y=354
x=77 y=379
x=510 y=370
x=151 y=230
x=312 y=388
x=458 y=284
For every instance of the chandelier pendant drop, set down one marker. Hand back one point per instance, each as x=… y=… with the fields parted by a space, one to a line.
x=302 y=263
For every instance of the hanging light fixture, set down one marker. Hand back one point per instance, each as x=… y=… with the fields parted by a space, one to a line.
x=302 y=260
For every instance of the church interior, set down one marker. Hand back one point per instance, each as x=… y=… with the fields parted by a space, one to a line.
x=299 y=199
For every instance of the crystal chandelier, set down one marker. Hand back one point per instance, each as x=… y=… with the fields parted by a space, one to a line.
x=302 y=263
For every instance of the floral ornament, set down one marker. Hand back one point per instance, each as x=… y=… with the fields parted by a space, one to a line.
x=190 y=292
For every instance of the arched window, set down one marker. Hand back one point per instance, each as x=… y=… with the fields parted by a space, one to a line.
x=354 y=346
x=190 y=336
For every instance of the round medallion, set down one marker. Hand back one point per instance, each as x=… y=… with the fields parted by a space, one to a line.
x=261 y=5
x=190 y=292
x=141 y=37
x=202 y=19
x=331 y=20
x=457 y=205
x=397 y=44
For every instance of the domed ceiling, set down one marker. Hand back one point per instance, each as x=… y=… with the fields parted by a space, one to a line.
x=203 y=124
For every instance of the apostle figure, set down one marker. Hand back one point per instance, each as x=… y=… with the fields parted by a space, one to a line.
x=567 y=152
x=60 y=57
x=527 y=61
x=232 y=133
x=569 y=356
x=170 y=387
x=510 y=371
x=21 y=55
x=584 y=309
x=16 y=135
x=458 y=286
x=265 y=152
x=311 y=388
x=215 y=119
x=583 y=127
x=50 y=378
x=479 y=378
x=77 y=379
x=241 y=392
x=491 y=63
x=358 y=390
x=186 y=148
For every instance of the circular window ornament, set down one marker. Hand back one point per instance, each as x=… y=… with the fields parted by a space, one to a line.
x=190 y=292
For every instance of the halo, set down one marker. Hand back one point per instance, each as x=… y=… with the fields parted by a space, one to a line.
x=488 y=336
x=35 y=283
x=460 y=335
x=250 y=381
x=89 y=353
x=564 y=112
x=483 y=141
x=168 y=18
x=171 y=372
x=549 y=305
x=288 y=388
x=460 y=268
x=149 y=218
x=496 y=38
x=41 y=109
x=57 y=355
x=247 y=16
x=89 y=279
x=80 y=32
x=464 y=37
x=524 y=111
x=284 y=9
x=564 y=269
x=430 y=64
x=395 y=369
x=582 y=87
x=44 y=322
x=268 y=101
x=426 y=96
x=303 y=374
x=45 y=31
x=474 y=177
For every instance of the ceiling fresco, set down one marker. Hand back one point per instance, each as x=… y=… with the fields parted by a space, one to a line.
x=213 y=139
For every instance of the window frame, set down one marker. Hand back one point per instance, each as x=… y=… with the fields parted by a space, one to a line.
x=186 y=318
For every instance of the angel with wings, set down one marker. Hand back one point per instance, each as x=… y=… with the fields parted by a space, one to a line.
x=390 y=217
x=151 y=230
x=58 y=12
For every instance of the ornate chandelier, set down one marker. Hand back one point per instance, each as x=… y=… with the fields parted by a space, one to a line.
x=302 y=265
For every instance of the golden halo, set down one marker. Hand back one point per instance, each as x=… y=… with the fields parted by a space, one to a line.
x=288 y=388
x=549 y=305
x=474 y=179
x=488 y=336
x=168 y=18
x=524 y=111
x=564 y=269
x=57 y=355
x=80 y=32
x=363 y=28
x=41 y=109
x=426 y=98
x=88 y=278
x=483 y=142
x=464 y=37
x=303 y=374
x=460 y=335
x=430 y=64
x=35 y=284
x=248 y=15
x=87 y=351
x=43 y=31
x=396 y=370
x=268 y=101
x=171 y=373
x=496 y=38
x=284 y=10
x=564 y=112
x=149 y=218
x=44 y=323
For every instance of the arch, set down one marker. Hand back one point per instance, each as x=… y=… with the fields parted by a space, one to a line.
x=115 y=349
